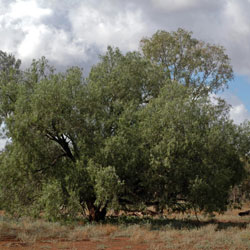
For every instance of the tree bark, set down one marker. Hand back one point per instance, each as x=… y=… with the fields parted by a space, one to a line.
x=96 y=213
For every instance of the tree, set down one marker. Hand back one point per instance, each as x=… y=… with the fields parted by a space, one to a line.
x=128 y=136
x=192 y=62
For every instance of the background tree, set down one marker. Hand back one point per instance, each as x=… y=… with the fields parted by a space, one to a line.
x=241 y=192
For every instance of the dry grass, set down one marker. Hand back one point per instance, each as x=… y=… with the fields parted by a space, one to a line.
x=143 y=235
x=28 y=231
x=228 y=231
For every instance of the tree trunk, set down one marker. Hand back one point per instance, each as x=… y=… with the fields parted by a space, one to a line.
x=96 y=213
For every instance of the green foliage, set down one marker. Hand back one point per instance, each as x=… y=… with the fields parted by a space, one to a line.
x=106 y=184
x=241 y=193
x=19 y=189
x=10 y=76
x=52 y=202
x=192 y=62
x=139 y=131
x=184 y=139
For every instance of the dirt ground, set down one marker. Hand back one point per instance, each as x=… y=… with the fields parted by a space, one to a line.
x=114 y=244
x=224 y=232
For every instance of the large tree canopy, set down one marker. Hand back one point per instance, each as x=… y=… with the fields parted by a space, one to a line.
x=133 y=133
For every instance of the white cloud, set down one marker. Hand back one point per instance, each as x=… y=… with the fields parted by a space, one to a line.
x=235 y=34
x=236 y=17
x=238 y=111
x=175 y=5
x=56 y=44
x=70 y=31
x=93 y=24
x=20 y=27
x=90 y=27
x=32 y=41
x=28 y=9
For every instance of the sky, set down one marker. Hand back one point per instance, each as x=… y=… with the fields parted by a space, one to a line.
x=76 y=32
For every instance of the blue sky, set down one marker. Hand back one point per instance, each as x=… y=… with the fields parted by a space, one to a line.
x=238 y=95
x=76 y=32
x=241 y=88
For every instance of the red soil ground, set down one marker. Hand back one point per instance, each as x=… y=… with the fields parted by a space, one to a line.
x=110 y=244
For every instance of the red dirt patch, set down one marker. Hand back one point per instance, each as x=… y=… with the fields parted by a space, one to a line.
x=101 y=243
